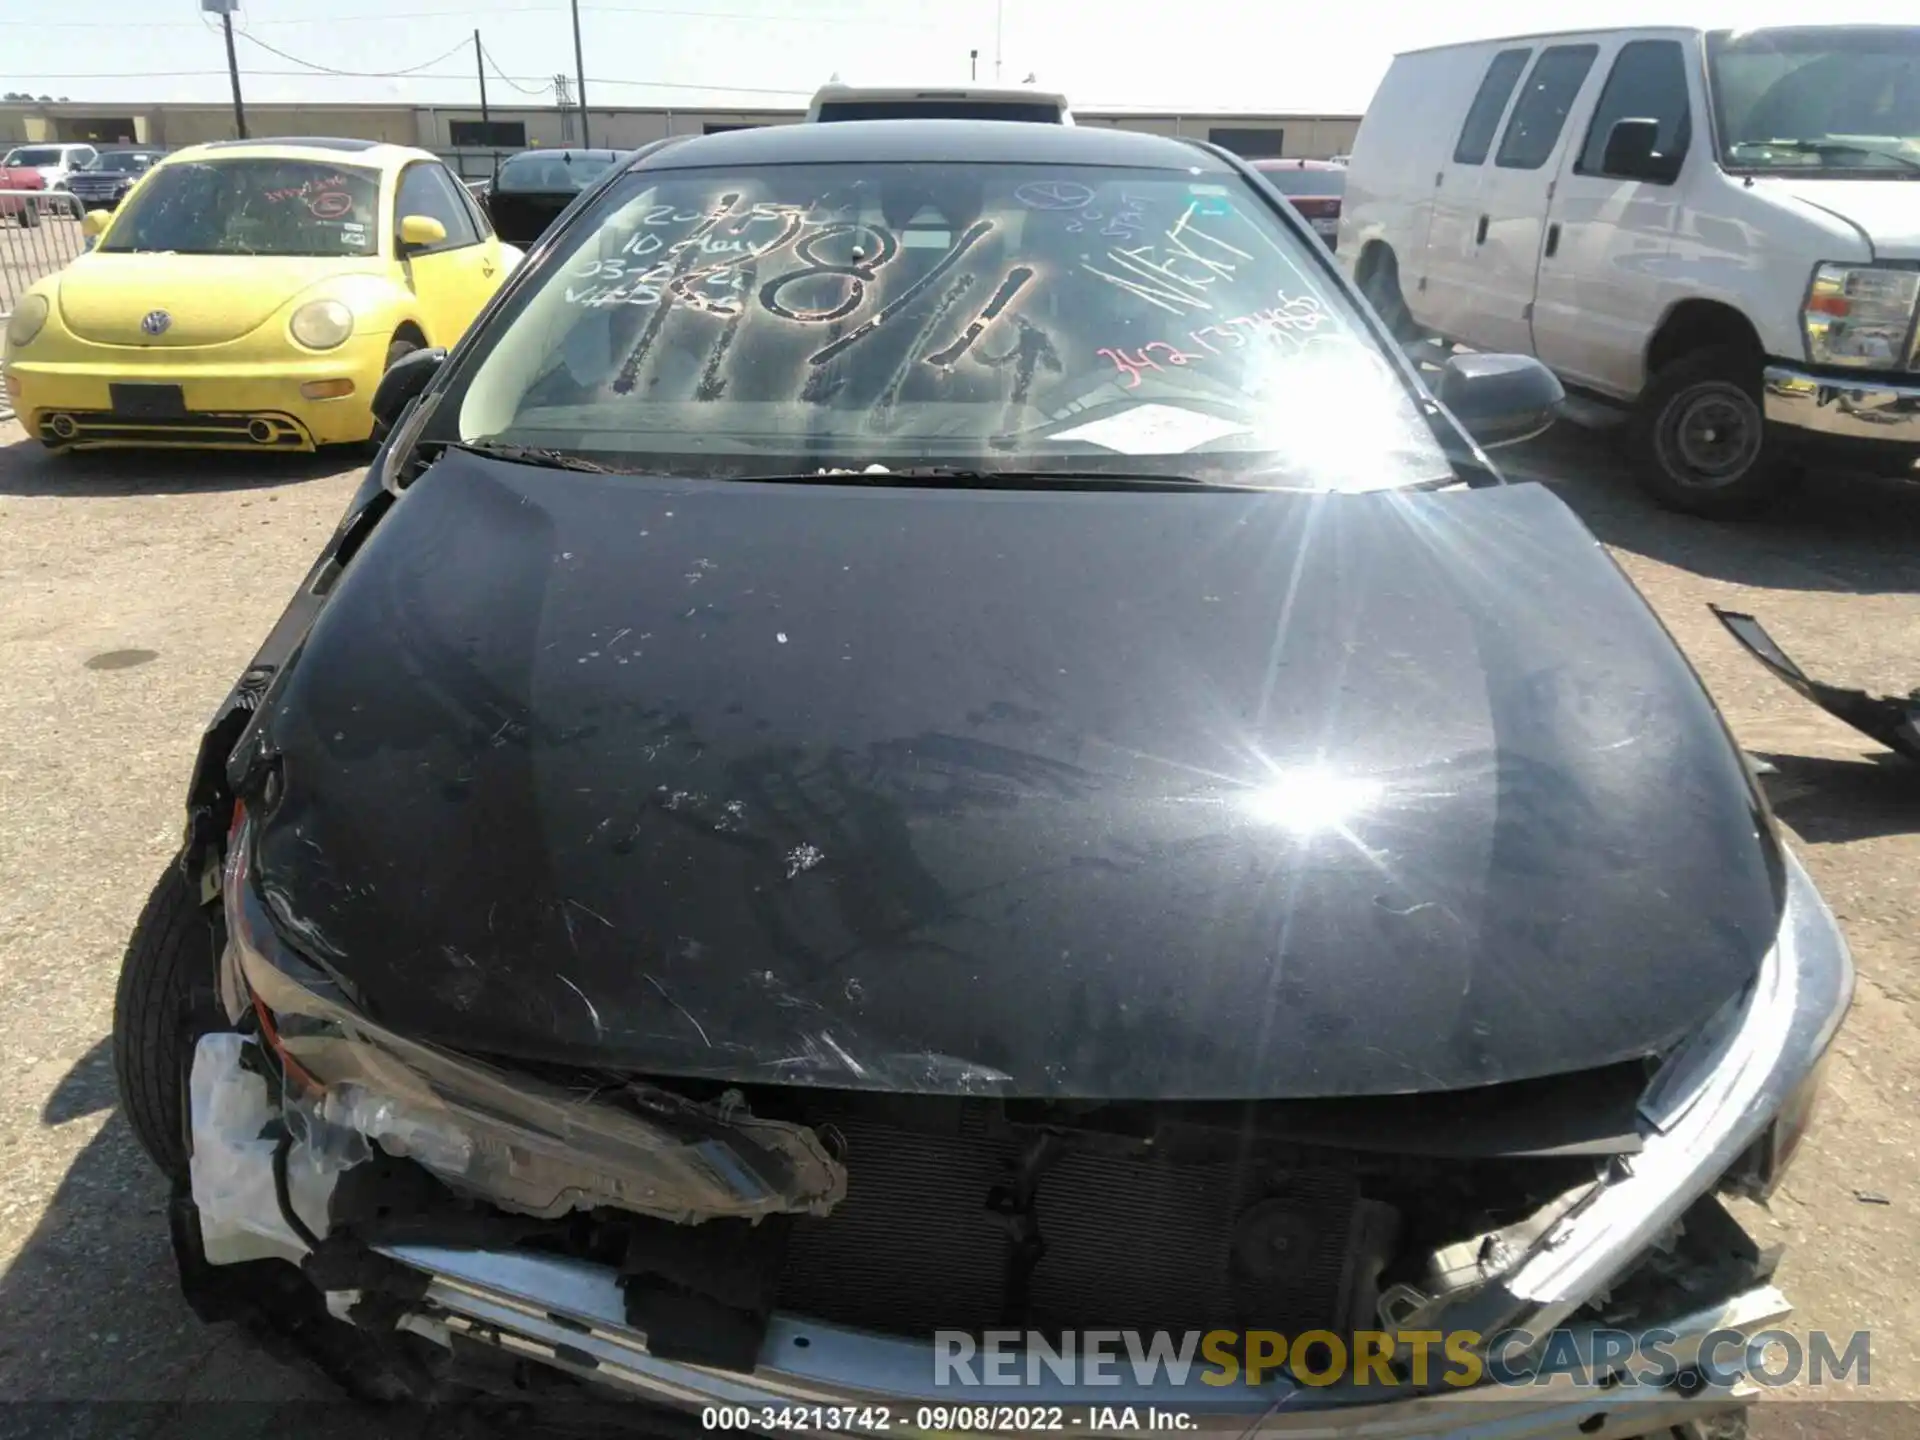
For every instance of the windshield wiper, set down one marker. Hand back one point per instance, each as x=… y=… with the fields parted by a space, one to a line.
x=527 y=455
x=1823 y=148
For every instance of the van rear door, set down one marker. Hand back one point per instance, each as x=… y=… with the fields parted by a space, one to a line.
x=1510 y=229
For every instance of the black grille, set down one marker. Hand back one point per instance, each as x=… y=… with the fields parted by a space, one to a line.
x=1130 y=1243
x=197 y=427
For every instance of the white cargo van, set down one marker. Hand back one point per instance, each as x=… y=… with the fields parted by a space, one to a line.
x=967 y=102
x=1719 y=229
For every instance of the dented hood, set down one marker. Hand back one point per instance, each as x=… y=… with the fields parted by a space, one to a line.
x=1096 y=794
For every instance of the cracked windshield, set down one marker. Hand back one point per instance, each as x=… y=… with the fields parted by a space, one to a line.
x=818 y=316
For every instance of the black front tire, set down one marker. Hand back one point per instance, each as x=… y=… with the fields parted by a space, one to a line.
x=29 y=214
x=1700 y=438
x=167 y=999
x=1380 y=283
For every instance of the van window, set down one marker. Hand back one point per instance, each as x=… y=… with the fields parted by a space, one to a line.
x=1541 y=111
x=1483 y=116
x=1649 y=82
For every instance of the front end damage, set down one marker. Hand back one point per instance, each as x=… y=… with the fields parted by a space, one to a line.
x=695 y=1244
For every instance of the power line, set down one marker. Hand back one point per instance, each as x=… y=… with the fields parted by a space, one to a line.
x=508 y=78
x=450 y=79
x=357 y=74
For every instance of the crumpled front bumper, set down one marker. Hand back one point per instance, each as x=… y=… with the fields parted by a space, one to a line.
x=570 y=1315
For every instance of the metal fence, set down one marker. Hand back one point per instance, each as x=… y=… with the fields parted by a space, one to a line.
x=39 y=232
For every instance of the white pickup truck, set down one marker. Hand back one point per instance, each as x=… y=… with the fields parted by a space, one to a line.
x=1718 y=230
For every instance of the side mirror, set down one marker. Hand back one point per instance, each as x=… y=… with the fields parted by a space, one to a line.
x=1499 y=399
x=94 y=223
x=421 y=232
x=402 y=384
x=1630 y=152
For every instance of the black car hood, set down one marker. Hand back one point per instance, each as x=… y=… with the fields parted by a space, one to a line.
x=1210 y=795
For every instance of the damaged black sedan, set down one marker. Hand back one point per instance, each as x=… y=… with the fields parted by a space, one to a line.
x=927 y=731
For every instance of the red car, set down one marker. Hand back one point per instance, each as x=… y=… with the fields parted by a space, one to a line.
x=1314 y=186
x=18 y=208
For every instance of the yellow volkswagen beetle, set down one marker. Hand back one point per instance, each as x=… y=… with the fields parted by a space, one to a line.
x=249 y=295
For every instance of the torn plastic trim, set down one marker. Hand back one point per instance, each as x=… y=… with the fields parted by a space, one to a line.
x=1892 y=720
x=237 y=1134
x=518 y=1142
x=1709 y=1107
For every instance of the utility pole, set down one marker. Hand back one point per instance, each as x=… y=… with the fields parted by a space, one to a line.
x=224 y=9
x=999 y=27
x=563 y=101
x=973 y=64
x=480 y=65
x=580 y=73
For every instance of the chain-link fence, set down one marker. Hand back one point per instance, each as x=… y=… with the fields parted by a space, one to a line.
x=39 y=232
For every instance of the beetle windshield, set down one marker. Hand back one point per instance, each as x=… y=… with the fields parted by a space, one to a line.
x=796 y=317
x=252 y=206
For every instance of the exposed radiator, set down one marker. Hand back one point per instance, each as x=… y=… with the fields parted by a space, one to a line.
x=1129 y=1243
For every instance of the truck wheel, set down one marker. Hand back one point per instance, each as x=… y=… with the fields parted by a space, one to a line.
x=29 y=214
x=167 y=999
x=1700 y=437
x=1380 y=283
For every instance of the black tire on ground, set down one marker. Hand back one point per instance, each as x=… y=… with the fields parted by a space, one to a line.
x=77 y=207
x=1380 y=283
x=29 y=214
x=167 y=999
x=1700 y=440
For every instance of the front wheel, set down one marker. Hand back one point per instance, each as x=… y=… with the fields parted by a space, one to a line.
x=1380 y=283
x=167 y=999
x=1700 y=437
x=29 y=214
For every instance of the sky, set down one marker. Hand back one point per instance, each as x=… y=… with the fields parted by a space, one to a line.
x=1200 y=56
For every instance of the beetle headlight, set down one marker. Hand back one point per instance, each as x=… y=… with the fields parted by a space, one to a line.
x=1860 y=315
x=28 y=316
x=321 y=324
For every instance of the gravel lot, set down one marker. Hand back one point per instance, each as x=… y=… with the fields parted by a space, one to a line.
x=134 y=589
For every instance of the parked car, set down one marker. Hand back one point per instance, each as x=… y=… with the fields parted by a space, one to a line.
x=961 y=102
x=1313 y=187
x=56 y=163
x=249 y=295
x=1713 y=229
x=103 y=184
x=22 y=209
x=860 y=715
x=530 y=189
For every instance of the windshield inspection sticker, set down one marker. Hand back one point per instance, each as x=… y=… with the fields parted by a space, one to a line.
x=1153 y=430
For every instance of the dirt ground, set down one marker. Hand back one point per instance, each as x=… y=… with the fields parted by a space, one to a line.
x=134 y=589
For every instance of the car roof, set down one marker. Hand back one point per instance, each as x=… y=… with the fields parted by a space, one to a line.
x=861 y=142
x=562 y=152
x=377 y=153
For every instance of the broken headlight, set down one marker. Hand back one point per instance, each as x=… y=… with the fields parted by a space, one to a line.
x=523 y=1144
x=1744 y=1082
